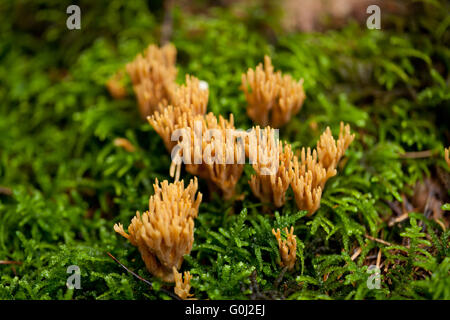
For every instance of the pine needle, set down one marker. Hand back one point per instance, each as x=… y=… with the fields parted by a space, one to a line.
x=143 y=279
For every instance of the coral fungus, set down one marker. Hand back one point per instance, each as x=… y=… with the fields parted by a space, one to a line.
x=271 y=184
x=166 y=121
x=165 y=232
x=187 y=114
x=308 y=179
x=273 y=98
x=188 y=101
x=288 y=247
x=191 y=96
x=153 y=76
x=115 y=86
x=215 y=156
x=182 y=286
x=331 y=151
x=316 y=167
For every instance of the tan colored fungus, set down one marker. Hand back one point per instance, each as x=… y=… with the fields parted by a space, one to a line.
x=272 y=98
x=208 y=155
x=331 y=151
x=165 y=233
x=314 y=168
x=153 y=76
x=182 y=286
x=115 y=86
x=191 y=96
x=288 y=247
x=270 y=184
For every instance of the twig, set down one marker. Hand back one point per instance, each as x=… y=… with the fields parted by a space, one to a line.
x=441 y=224
x=378 y=240
x=5 y=191
x=174 y=296
x=379 y=258
x=166 y=30
x=254 y=287
x=280 y=277
x=427 y=211
x=356 y=254
x=417 y=154
x=398 y=219
x=353 y=257
x=395 y=207
x=407 y=206
x=9 y=262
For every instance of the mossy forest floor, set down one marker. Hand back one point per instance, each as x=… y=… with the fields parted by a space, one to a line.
x=63 y=182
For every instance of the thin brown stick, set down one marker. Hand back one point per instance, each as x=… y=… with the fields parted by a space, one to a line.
x=280 y=277
x=356 y=254
x=5 y=190
x=441 y=224
x=417 y=154
x=167 y=26
x=398 y=219
x=378 y=240
x=10 y=262
x=353 y=257
x=174 y=296
x=379 y=258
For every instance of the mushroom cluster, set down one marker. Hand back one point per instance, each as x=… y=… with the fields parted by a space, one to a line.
x=307 y=176
x=213 y=156
x=272 y=98
x=314 y=168
x=205 y=148
x=270 y=183
x=165 y=233
x=153 y=76
x=211 y=148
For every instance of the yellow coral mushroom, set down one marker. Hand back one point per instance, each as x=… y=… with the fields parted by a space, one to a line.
x=315 y=167
x=165 y=233
x=331 y=151
x=272 y=98
x=271 y=184
x=115 y=86
x=182 y=286
x=153 y=76
x=288 y=247
x=191 y=96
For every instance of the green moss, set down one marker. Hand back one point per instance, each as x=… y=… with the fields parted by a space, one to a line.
x=70 y=184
